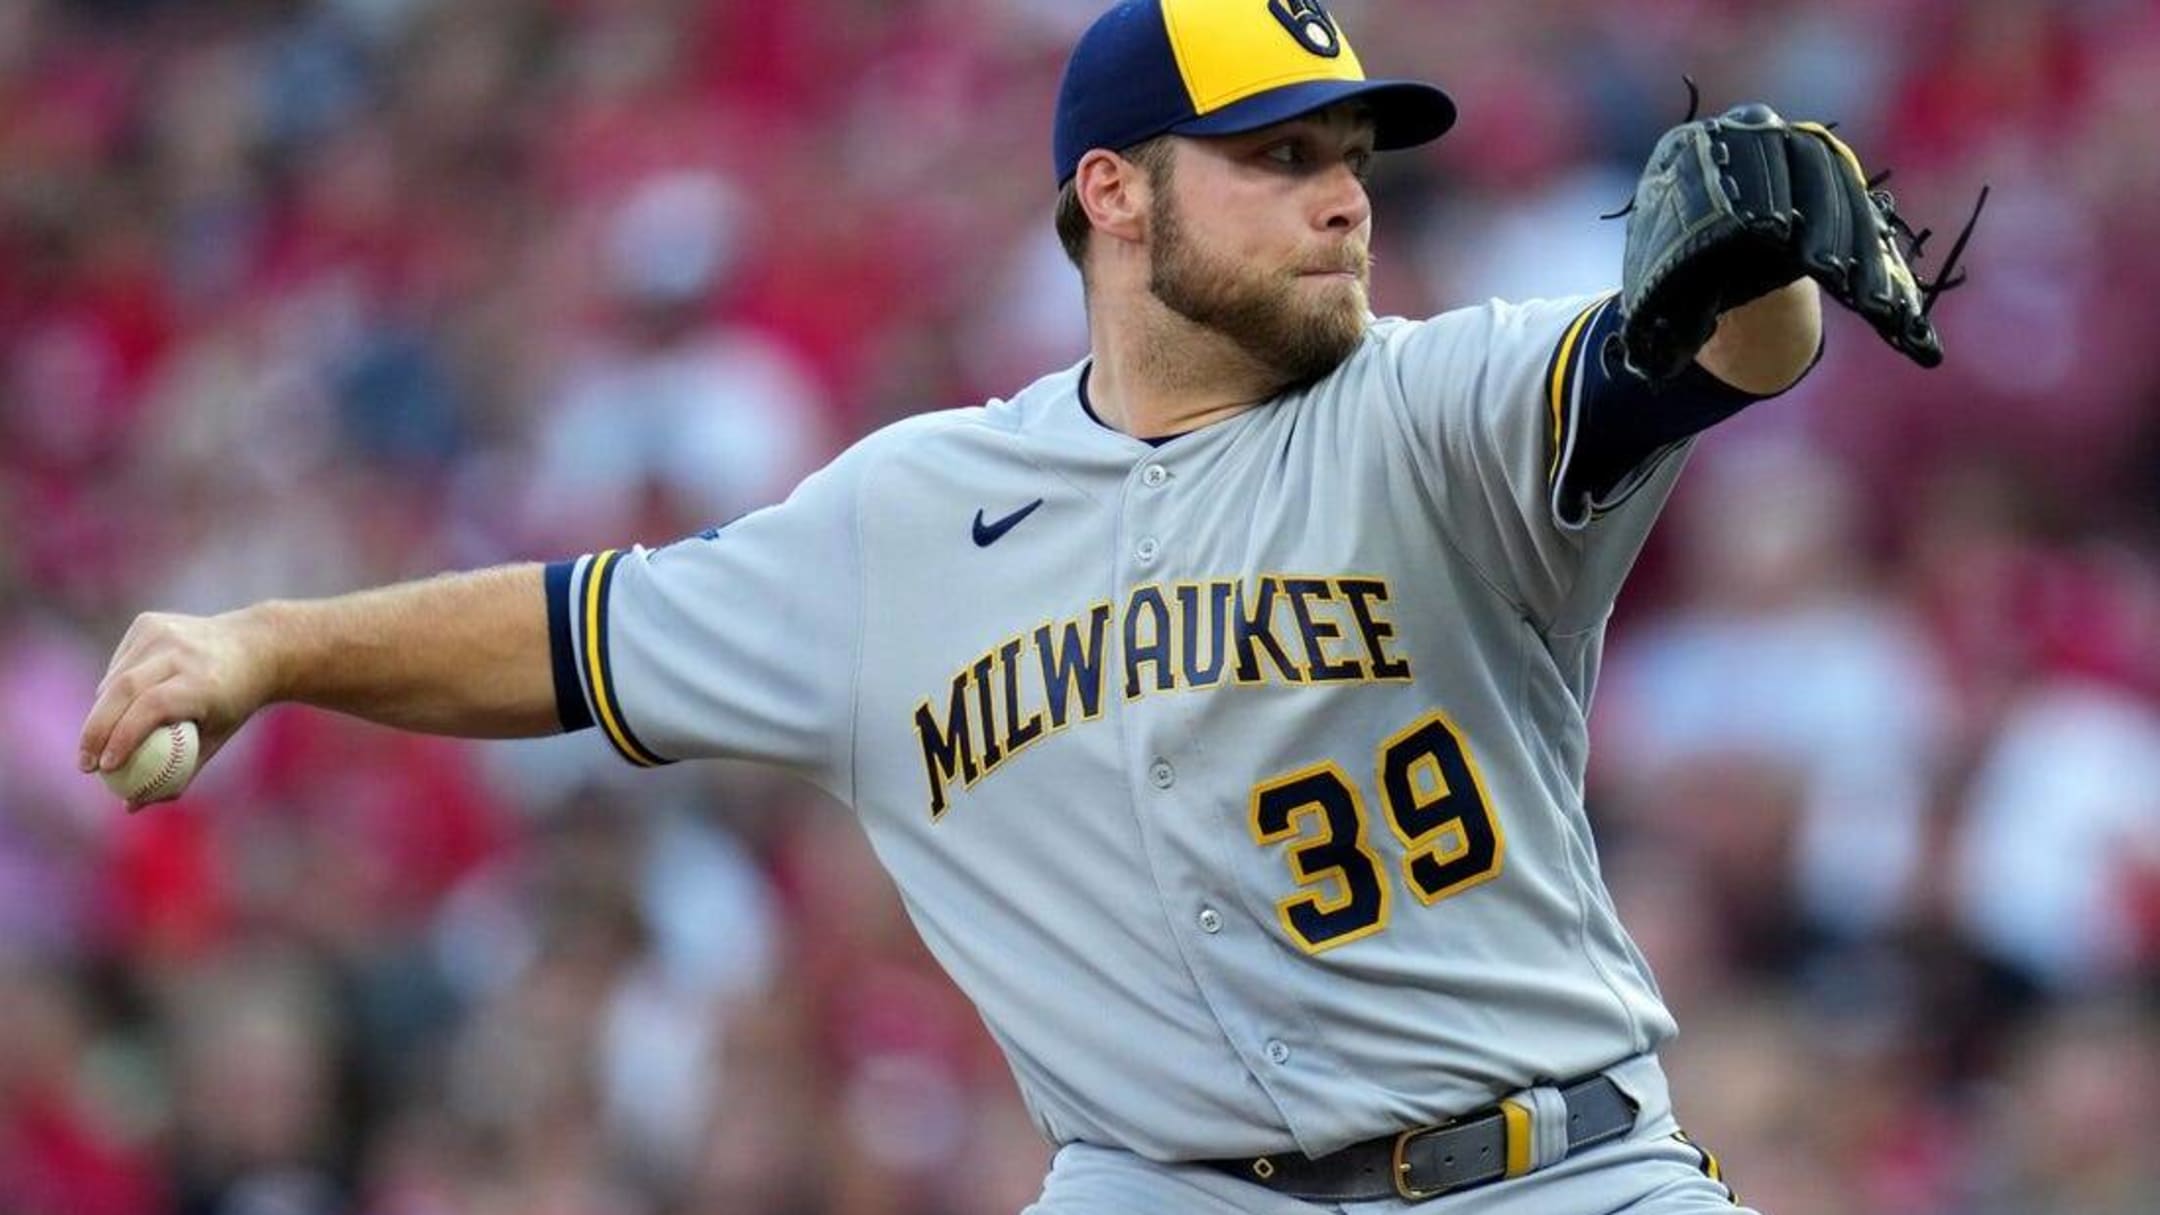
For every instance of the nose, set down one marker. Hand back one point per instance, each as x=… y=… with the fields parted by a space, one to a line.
x=1346 y=206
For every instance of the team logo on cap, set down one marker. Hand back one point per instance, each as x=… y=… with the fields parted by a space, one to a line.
x=1310 y=25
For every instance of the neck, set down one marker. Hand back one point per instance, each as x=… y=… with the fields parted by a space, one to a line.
x=1157 y=374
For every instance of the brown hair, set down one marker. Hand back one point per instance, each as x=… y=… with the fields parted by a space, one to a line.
x=1073 y=228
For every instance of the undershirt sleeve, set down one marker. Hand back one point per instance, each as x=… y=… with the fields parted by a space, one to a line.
x=1550 y=461
x=1623 y=421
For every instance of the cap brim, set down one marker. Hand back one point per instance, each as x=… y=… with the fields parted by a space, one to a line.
x=1405 y=113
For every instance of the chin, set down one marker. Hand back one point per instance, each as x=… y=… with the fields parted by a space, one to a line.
x=1348 y=316
x=1319 y=342
x=1340 y=299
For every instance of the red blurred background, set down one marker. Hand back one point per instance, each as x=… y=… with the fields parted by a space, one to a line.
x=301 y=297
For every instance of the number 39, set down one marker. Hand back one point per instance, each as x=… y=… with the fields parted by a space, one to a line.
x=1436 y=806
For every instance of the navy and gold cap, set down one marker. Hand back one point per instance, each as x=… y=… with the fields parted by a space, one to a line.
x=1221 y=67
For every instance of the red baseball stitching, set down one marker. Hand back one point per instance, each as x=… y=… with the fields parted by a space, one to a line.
x=172 y=762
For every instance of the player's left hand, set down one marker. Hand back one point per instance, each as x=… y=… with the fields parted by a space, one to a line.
x=1736 y=206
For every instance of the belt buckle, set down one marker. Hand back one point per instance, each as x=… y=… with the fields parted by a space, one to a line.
x=1400 y=1173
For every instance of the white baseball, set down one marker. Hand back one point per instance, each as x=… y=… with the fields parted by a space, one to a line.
x=161 y=767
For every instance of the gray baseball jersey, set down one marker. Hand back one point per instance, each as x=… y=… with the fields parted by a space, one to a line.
x=1238 y=779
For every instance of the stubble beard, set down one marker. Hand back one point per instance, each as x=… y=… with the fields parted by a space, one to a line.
x=1267 y=315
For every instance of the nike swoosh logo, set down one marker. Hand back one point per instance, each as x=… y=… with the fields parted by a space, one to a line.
x=987 y=534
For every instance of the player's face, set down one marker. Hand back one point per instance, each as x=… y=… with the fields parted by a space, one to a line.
x=1264 y=238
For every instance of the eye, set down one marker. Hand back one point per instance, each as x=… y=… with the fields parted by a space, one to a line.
x=1288 y=153
x=1361 y=163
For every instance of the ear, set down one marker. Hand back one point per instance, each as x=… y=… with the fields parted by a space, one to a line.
x=1115 y=193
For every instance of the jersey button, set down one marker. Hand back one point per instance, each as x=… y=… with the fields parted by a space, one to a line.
x=1210 y=920
x=1146 y=550
x=1155 y=476
x=1161 y=774
x=1278 y=1052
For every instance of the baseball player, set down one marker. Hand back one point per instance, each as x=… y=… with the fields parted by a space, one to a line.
x=1217 y=703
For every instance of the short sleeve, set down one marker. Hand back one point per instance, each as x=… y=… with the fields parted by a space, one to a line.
x=740 y=643
x=1494 y=395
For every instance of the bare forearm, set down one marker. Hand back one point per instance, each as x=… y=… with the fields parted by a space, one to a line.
x=1765 y=345
x=462 y=654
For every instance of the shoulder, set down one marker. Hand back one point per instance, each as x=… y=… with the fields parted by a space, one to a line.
x=1053 y=394
x=1484 y=356
x=915 y=433
x=944 y=433
x=1482 y=327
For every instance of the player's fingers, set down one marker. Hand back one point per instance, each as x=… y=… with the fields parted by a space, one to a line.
x=149 y=633
x=119 y=693
x=149 y=711
x=141 y=631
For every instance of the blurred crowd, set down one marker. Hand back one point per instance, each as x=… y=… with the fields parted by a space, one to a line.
x=298 y=297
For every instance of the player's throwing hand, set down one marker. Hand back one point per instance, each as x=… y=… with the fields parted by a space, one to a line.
x=172 y=668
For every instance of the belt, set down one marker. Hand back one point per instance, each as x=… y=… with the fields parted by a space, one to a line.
x=1482 y=1146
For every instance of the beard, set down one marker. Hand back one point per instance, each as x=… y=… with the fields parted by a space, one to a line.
x=1273 y=317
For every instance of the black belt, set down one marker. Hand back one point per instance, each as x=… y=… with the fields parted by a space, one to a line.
x=1425 y=1162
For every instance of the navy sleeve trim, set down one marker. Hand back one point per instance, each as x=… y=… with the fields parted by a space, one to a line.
x=1564 y=378
x=600 y=666
x=1611 y=428
x=570 y=707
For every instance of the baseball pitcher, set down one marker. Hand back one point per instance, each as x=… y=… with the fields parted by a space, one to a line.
x=1217 y=703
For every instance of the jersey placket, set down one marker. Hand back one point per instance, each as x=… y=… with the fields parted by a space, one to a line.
x=1188 y=790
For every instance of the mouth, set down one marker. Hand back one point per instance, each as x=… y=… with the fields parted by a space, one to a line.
x=1334 y=279
x=1348 y=269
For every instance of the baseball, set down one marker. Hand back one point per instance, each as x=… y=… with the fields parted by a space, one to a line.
x=161 y=767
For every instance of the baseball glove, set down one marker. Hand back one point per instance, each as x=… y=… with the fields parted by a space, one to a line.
x=1733 y=207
